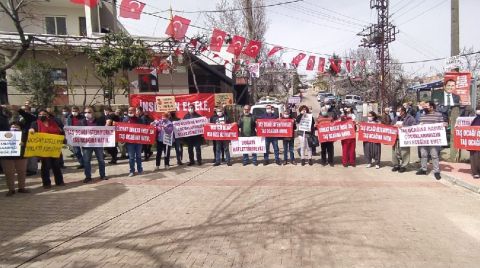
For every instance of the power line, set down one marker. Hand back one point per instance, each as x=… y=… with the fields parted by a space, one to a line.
x=437 y=59
x=404 y=6
x=238 y=9
x=428 y=10
x=338 y=13
x=407 y=11
x=325 y=16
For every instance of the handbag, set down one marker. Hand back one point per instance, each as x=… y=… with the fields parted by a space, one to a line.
x=312 y=141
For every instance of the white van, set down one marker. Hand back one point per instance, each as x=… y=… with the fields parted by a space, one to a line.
x=259 y=108
x=353 y=99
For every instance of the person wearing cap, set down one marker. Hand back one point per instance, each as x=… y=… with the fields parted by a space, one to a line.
x=269 y=114
x=193 y=142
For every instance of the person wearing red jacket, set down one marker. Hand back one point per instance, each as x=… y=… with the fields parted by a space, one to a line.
x=348 y=145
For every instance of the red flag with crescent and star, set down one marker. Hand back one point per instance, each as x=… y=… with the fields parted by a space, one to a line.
x=274 y=50
x=253 y=48
x=321 y=65
x=217 y=40
x=347 y=65
x=236 y=45
x=131 y=9
x=178 y=27
x=311 y=63
x=90 y=3
x=296 y=61
x=336 y=65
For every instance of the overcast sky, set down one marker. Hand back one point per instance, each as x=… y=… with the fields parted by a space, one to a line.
x=331 y=26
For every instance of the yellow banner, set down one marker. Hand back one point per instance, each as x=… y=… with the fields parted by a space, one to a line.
x=44 y=145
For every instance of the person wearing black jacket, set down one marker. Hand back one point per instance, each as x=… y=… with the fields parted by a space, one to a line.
x=178 y=141
x=74 y=120
x=222 y=146
x=193 y=141
x=289 y=142
x=213 y=120
x=270 y=114
x=475 y=155
x=246 y=128
x=146 y=148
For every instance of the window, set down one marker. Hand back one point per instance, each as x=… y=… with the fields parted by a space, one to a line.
x=147 y=83
x=82 y=22
x=56 y=25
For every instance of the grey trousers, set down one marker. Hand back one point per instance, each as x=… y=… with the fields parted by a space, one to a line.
x=400 y=155
x=372 y=151
x=475 y=162
x=434 y=152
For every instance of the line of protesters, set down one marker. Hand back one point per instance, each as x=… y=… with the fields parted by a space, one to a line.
x=44 y=121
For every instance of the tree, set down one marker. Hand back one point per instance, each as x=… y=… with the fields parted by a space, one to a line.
x=13 y=9
x=119 y=53
x=35 y=78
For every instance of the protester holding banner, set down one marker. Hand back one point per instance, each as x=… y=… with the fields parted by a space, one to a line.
x=222 y=146
x=372 y=151
x=475 y=155
x=348 y=145
x=269 y=114
x=193 y=141
x=401 y=155
x=289 y=142
x=146 y=148
x=216 y=143
x=177 y=141
x=45 y=124
x=246 y=127
x=164 y=140
x=134 y=149
x=91 y=121
x=74 y=120
x=304 y=119
x=326 y=117
x=27 y=117
x=431 y=116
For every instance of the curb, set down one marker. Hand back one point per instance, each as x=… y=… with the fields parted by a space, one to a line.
x=461 y=183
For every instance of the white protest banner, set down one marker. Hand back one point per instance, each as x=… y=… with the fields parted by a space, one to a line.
x=189 y=127
x=306 y=123
x=248 y=145
x=10 y=143
x=90 y=136
x=423 y=135
x=294 y=100
x=464 y=121
x=167 y=139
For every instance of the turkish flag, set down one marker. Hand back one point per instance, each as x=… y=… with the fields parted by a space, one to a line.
x=236 y=45
x=253 y=48
x=311 y=63
x=321 y=65
x=131 y=9
x=194 y=42
x=347 y=65
x=178 y=27
x=274 y=50
x=217 y=40
x=336 y=65
x=90 y=3
x=296 y=61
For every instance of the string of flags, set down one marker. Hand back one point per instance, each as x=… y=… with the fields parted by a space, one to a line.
x=237 y=45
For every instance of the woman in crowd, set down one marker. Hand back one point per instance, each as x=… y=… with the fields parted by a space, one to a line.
x=372 y=151
x=348 y=145
x=164 y=128
x=289 y=142
x=45 y=124
x=303 y=136
x=326 y=117
x=177 y=141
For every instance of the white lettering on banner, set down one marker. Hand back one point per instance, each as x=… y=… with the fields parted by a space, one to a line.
x=423 y=135
x=248 y=145
x=10 y=143
x=151 y=106
x=101 y=136
x=306 y=123
x=189 y=127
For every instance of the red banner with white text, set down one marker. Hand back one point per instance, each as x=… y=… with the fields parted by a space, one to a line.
x=135 y=133
x=377 y=133
x=278 y=128
x=220 y=132
x=336 y=131
x=204 y=104
x=467 y=138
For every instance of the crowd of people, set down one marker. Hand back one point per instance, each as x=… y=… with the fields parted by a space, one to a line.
x=28 y=120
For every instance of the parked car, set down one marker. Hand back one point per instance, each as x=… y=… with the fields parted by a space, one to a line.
x=260 y=107
x=353 y=99
x=322 y=95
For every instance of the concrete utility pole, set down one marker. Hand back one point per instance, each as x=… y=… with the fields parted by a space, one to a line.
x=379 y=36
x=455 y=24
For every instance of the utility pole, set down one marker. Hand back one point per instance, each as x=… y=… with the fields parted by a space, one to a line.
x=455 y=28
x=379 y=36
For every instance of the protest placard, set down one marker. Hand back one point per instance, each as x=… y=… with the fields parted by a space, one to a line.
x=220 y=132
x=377 y=133
x=90 y=136
x=336 y=131
x=248 y=145
x=467 y=138
x=10 y=143
x=165 y=104
x=305 y=123
x=464 y=121
x=294 y=100
x=223 y=99
x=168 y=139
x=275 y=128
x=189 y=127
x=423 y=135
x=135 y=133
x=44 y=145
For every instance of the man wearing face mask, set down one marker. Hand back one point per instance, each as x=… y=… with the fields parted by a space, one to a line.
x=91 y=121
x=431 y=116
x=193 y=141
x=289 y=142
x=401 y=155
x=246 y=128
x=134 y=150
x=305 y=149
x=222 y=146
x=475 y=155
x=269 y=114
x=74 y=120
x=326 y=117
x=213 y=120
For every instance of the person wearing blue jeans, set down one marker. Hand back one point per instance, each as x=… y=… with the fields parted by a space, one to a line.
x=134 y=150
x=246 y=159
x=87 y=163
x=276 y=151
x=222 y=146
x=246 y=128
